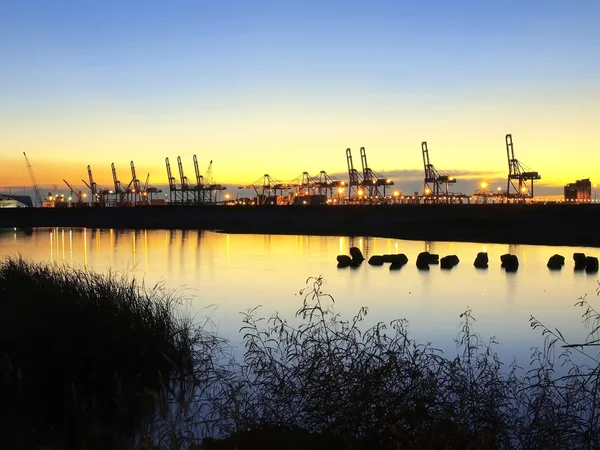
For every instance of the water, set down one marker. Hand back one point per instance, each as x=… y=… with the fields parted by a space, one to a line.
x=223 y=275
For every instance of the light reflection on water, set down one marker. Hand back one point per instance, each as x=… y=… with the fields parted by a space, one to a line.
x=234 y=273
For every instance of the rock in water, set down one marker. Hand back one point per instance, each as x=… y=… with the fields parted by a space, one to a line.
x=423 y=260
x=376 y=260
x=510 y=262
x=400 y=258
x=448 y=262
x=344 y=261
x=580 y=260
x=396 y=266
x=591 y=264
x=356 y=254
x=556 y=262
x=481 y=260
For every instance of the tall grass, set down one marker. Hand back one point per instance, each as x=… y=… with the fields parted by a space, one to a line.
x=84 y=353
x=85 y=358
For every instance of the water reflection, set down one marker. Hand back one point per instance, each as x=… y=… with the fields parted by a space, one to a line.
x=237 y=272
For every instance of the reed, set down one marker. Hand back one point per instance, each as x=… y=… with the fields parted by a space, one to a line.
x=85 y=359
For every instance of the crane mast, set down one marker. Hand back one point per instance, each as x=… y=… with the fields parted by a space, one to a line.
x=435 y=186
x=354 y=178
x=36 y=189
x=520 y=178
x=372 y=180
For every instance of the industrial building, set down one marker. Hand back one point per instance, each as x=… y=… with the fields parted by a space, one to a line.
x=580 y=191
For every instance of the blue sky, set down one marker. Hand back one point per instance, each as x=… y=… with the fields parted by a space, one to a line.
x=253 y=84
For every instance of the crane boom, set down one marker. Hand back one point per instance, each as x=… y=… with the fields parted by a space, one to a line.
x=36 y=189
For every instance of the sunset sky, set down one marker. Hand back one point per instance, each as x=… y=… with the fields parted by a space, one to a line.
x=283 y=87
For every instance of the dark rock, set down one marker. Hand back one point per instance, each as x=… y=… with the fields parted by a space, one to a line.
x=376 y=260
x=434 y=259
x=396 y=266
x=356 y=254
x=344 y=261
x=448 y=262
x=481 y=261
x=400 y=258
x=580 y=260
x=423 y=260
x=591 y=264
x=510 y=262
x=556 y=262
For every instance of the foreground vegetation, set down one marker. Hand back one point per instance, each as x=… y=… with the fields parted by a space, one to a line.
x=90 y=361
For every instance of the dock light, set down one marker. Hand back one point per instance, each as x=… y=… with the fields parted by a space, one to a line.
x=483 y=185
x=70 y=198
x=523 y=189
x=427 y=191
x=340 y=190
x=133 y=190
x=84 y=195
x=110 y=192
x=227 y=196
x=396 y=193
x=50 y=198
x=360 y=192
x=388 y=181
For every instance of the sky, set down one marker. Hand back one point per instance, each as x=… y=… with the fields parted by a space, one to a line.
x=285 y=87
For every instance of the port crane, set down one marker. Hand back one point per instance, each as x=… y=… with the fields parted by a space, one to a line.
x=139 y=194
x=354 y=178
x=326 y=185
x=435 y=186
x=175 y=190
x=121 y=194
x=99 y=194
x=186 y=186
x=36 y=188
x=266 y=187
x=75 y=193
x=202 y=184
x=520 y=178
x=372 y=181
x=213 y=187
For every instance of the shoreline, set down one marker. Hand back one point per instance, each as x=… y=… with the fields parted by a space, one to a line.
x=551 y=224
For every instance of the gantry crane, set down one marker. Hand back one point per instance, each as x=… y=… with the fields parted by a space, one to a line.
x=121 y=193
x=75 y=193
x=266 y=187
x=372 y=181
x=326 y=185
x=520 y=178
x=149 y=191
x=99 y=195
x=305 y=184
x=175 y=192
x=354 y=178
x=36 y=189
x=214 y=188
x=435 y=187
x=137 y=190
x=202 y=184
x=188 y=190
x=142 y=193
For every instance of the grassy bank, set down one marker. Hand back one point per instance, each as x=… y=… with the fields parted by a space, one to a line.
x=100 y=362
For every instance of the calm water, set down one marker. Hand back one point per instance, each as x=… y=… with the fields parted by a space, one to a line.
x=224 y=275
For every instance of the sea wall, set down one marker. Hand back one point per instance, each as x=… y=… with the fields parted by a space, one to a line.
x=551 y=224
